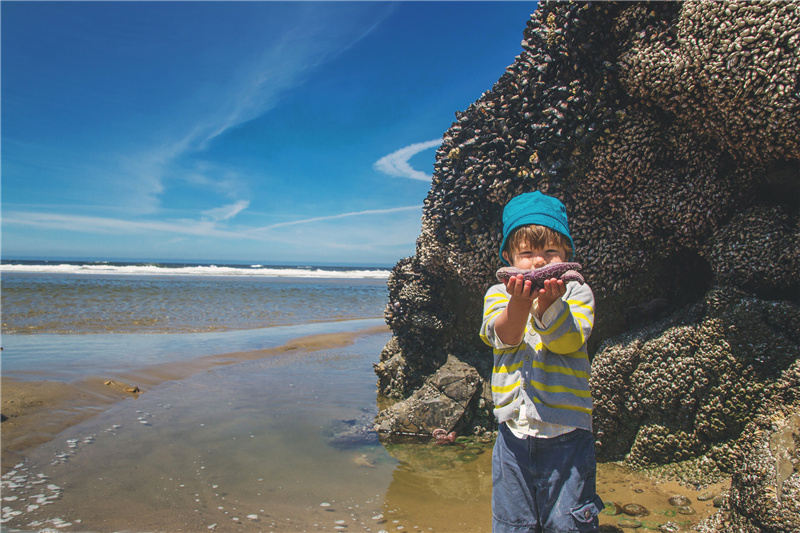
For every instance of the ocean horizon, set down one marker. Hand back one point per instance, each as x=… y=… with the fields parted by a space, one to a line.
x=192 y=268
x=115 y=297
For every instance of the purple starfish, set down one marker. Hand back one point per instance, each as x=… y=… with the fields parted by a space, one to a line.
x=563 y=271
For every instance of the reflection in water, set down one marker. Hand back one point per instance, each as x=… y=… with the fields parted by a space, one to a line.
x=446 y=488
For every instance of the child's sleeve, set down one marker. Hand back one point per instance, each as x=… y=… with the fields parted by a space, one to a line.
x=566 y=325
x=494 y=303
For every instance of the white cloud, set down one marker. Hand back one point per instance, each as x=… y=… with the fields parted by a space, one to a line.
x=207 y=227
x=376 y=235
x=341 y=215
x=226 y=212
x=396 y=164
x=116 y=226
x=284 y=64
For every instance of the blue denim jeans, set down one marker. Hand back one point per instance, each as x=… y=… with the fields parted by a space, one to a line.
x=544 y=485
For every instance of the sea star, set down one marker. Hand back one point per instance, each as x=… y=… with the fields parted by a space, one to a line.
x=563 y=271
x=443 y=437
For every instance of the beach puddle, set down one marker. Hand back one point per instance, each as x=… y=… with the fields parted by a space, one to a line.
x=281 y=444
x=637 y=502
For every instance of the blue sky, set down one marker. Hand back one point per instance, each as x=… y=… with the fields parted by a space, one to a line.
x=270 y=132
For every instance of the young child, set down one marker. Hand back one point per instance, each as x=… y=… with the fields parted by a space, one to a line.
x=543 y=464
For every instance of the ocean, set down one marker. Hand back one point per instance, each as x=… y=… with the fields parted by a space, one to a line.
x=106 y=297
x=267 y=441
x=70 y=317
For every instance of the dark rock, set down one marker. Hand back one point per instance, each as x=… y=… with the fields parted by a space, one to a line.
x=685 y=388
x=440 y=404
x=679 y=500
x=353 y=433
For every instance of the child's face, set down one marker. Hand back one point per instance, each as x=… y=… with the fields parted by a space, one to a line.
x=530 y=257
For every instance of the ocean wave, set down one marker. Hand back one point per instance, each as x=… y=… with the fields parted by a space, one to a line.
x=154 y=269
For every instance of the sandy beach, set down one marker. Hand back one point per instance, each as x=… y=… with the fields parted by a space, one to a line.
x=34 y=412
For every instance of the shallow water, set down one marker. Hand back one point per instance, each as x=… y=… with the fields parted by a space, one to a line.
x=95 y=303
x=253 y=440
x=70 y=356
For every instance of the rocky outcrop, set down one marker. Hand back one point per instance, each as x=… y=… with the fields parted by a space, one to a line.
x=671 y=131
x=684 y=388
x=440 y=404
x=765 y=488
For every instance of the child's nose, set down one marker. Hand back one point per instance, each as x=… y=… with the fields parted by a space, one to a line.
x=539 y=261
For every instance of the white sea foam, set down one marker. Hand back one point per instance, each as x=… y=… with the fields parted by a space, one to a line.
x=197 y=270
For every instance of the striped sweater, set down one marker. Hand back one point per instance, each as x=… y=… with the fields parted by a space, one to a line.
x=549 y=370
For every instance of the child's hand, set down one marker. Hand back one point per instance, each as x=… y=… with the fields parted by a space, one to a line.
x=518 y=287
x=552 y=291
x=510 y=325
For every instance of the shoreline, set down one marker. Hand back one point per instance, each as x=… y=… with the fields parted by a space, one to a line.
x=36 y=411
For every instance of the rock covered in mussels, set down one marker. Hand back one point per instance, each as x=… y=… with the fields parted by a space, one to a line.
x=563 y=271
x=671 y=132
x=765 y=489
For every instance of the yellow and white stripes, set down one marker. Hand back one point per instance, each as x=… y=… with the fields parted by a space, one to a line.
x=549 y=372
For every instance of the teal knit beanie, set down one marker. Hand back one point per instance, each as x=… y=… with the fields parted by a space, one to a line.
x=534 y=208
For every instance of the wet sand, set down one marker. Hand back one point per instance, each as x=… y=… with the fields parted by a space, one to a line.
x=34 y=412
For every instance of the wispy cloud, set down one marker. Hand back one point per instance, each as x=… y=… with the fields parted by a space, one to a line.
x=207 y=227
x=226 y=212
x=253 y=89
x=256 y=91
x=286 y=63
x=341 y=215
x=396 y=164
x=116 y=226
